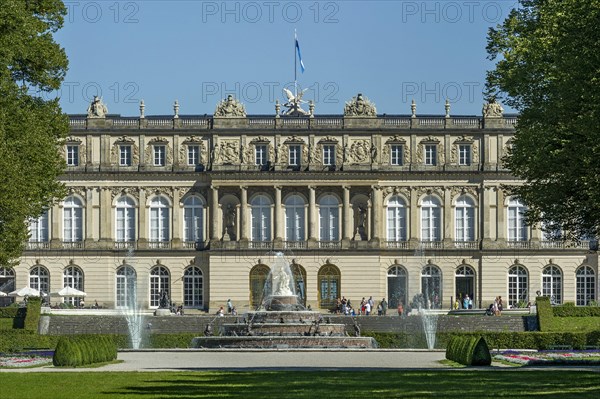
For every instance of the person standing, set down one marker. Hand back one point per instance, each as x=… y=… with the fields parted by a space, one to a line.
x=229 y=306
x=384 y=306
x=400 y=309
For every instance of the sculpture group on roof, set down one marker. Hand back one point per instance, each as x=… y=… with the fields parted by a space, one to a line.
x=97 y=109
x=230 y=107
x=360 y=106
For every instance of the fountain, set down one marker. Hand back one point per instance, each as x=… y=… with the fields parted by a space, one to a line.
x=132 y=311
x=282 y=322
x=423 y=304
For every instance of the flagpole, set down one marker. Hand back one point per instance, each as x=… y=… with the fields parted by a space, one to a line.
x=295 y=66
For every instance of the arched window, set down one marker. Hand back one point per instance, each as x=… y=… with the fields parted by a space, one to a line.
x=397 y=286
x=518 y=286
x=193 y=287
x=585 y=286
x=258 y=278
x=159 y=284
x=294 y=218
x=329 y=209
x=517 y=229
x=125 y=219
x=464 y=282
x=329 y=286
x=396 y=220
x=159 y=220
x=465 y=219
x=7 y=284
x=299 y=274
x=73 y=219
x=261 y=218
x=431 y=287
x=552 y=283
x=193 y=219
x=431 y=219
x=73 y=277
x=39 y=279
x=126 y=282
x=38 y=228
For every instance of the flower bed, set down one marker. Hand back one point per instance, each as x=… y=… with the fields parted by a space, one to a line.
x=575 y=358
x=26 y=359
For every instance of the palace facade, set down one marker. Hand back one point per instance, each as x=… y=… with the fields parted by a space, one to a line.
x=360 y=204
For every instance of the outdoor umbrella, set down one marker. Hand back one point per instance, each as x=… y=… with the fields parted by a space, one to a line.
x=69 y=291
x=25 y=291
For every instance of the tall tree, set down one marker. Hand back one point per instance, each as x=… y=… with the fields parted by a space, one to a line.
x=31 y=128
x=548 y=68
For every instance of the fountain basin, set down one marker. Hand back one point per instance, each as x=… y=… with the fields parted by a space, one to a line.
x=287 y=329
x=284 y=342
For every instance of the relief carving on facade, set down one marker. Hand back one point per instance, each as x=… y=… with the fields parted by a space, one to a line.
x=360 y=152
x=460 y=190
x=250 y=152
x=396 y=190
x=317 y=152
x=189 y=191
x=421 y=191
x=115 y=153
x=150 y=153
x=439 y=152
x=387 y=149
x=227 y=152
x=360 y=106
x=163 y=191
x=82 y=149
x=130 y=191
x=465 y=140
x=230 y=107
x=78 y=190
x=183 y=150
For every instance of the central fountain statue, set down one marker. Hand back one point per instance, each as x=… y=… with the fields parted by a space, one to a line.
x=280 y=290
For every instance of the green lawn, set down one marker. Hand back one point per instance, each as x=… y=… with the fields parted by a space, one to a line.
x=456 y=383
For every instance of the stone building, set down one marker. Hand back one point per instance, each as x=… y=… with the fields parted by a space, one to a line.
x=360 y=204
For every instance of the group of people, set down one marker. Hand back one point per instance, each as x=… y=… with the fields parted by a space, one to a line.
x=465 y=303
x=231 y=310
x=497 y=306
x=365 y=308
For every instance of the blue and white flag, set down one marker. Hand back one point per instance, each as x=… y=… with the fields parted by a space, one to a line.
x=299 y=55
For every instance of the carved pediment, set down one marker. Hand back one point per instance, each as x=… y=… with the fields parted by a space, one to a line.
x=328 y=140
x=294 y=140
x=395 y=140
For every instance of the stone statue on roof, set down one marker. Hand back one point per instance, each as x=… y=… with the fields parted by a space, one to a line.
x=492 y=109
x=294 y=103
x=360 y=106
x=97 y=109
x=230 y=107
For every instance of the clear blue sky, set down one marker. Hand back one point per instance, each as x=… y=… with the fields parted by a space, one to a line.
x=199 y=51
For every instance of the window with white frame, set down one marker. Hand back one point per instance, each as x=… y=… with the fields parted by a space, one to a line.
x=431 y=287
x=73 y=277
x=329 y=218
x=125 y=220
x=193 y=157
x=517 y=228
x=585 y=286
x=295 y=152
x=329 y=155
x=464 y=154
x=38 y=228
x=39 y=279
x=396 y=151
x=160 y=155
x=126 y=288
x=160 y=283
x=465 y=219
x=72 y=154
x=261 y=218
x=396 y=219
x=294 y=218
x=261 y=156
x=518 y=286
x=125 y=155
x=552 y=284
x=193 y=217
x=193 y=289
x=72 y=219
x=430 y=154
x=431 y=216
x=159 y=220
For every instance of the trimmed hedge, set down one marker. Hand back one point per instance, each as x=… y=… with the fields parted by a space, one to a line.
x=80 y=350
x=17 y=340
x=181 y=340
x=544 y=313
x=576 y=311
x=469 y=350
x=8 y=312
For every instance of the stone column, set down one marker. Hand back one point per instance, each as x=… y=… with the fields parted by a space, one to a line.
x=278 y=219
x=56 y=226
x=501 y=217
x=376 y=211
x=447 y=233
x=143 y=221
x=413 y=214
x=312 y=218
x=484 y=216
x=215 y=228
x=89 y=215
x=177 y=227
x=347 y=217
x=244 y=214
x=106 y=215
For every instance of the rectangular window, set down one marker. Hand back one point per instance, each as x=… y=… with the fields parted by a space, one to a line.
x=193 y=155
x=261 y=154
x=329 y=155
x=125 y=155
x=160 y=152
x=464 y=154
x=72 y=155
x=396 y=155
x=294 y=155
x=431 y=154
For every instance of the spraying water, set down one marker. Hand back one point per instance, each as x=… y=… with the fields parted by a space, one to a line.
x=132 y=311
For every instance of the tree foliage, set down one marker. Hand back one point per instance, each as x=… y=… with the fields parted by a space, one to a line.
x=548 y=69
x=31 y=128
